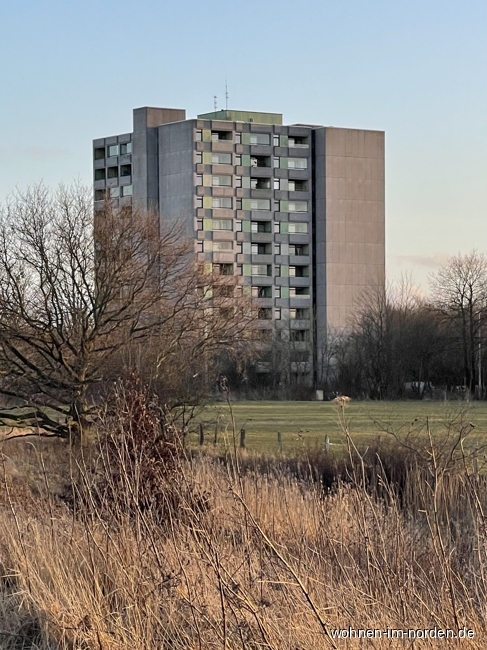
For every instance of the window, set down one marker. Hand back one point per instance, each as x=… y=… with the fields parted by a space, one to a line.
x=260 y=183
x=299 y=142
x=99 y=195
x=277 y=249
x=198 y=135
x=260 y=249
x=221 y=202
x=222 y=224
x=238 y=160
x=277 y=292
x=298 y=249
x=297 y=163
x=99 y=153
x=277 y=271
x=199 y=246
x=114 y=192
x=260 y=161
x=223 y=269
x=218 y=136
x=276 y=163
x=99 y=174
x=199 y=201
x=298 y=292
x=264 y=313
x=238 y=181
x=221 y=158
x=238 y=225
x=199 y=224
x=238 y=204
x=221 y=180
x=297 y=186
x=299 y=335
x=125 y=170
x=127 y=190
x=298 y=206
x=199 y=157
x=112 y=172
x=276 y=140
x=277 y=183
x=199 y=179
x=261 y=269
x=125 y=148
x=298 y=271
x=262 y=292
x=259 y=204
x=297 y=228
x=220 y=246
x=260 y=226
x=238 y=138
x=277 y=227
x=277 y=313
x=259 y=138
x=113 y=150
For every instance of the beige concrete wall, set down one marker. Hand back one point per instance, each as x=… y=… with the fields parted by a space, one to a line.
x=355 y=219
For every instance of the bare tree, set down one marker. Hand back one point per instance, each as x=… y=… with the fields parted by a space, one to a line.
x=459 y=292
x=75 y=291
x=388 y=345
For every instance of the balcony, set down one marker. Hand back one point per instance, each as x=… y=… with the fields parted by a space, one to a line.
x=222 y=147
x=260 y=183
x=264 y=294
x=299 y=261
x=221 y=136
x=299 y=282
x=298 y=142
x=262 y=259
x=261 y=249
x=258 y=162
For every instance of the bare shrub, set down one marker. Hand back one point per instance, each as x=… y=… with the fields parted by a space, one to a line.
x=271 y=561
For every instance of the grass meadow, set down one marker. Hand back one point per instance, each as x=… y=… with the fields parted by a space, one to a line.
x=306 y=424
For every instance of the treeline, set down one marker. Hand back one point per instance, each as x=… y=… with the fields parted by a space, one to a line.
x=402 y=344
x=398 y=344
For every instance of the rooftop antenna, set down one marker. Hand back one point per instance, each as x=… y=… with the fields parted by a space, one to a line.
x=214 y=103
x=226 y=96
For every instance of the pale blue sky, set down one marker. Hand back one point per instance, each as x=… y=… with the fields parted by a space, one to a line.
x=72 y=72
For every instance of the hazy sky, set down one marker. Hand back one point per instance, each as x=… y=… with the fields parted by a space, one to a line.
x=72 y=72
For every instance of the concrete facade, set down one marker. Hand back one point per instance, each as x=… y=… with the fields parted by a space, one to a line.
x=296 y=212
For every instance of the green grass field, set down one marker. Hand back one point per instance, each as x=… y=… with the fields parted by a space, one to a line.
x=305 y=424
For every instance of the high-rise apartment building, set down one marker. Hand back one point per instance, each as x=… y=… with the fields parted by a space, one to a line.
x=296 y=211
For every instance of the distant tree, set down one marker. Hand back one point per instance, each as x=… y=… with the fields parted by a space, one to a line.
x=393 y=340
x=459 y=293
x=76 y=292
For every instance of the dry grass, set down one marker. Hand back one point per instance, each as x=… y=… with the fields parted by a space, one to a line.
x=247 y=559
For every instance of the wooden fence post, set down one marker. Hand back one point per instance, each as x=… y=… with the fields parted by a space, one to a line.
x=202 y=434
x=242 y=438
x=279 y=441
